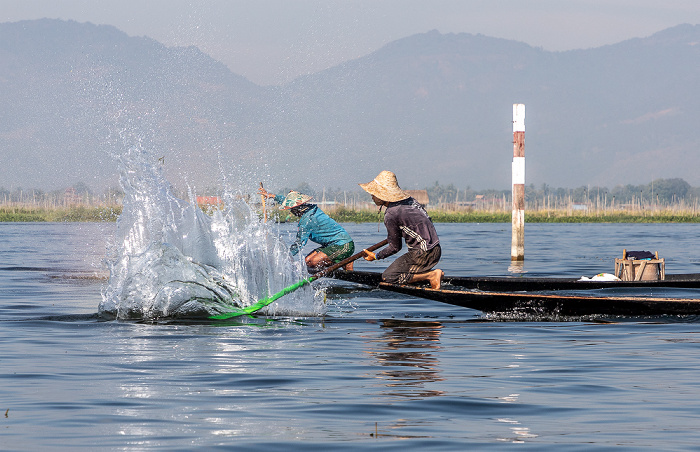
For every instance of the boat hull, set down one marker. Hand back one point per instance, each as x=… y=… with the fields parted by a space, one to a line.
x=470 y=293
x=558 y=304
x=511 y=283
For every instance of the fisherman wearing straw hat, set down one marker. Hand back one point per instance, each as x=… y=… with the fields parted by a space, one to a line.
x=405 y=218
x=315 y=225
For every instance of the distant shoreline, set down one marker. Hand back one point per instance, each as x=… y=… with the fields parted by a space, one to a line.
x=14 y=214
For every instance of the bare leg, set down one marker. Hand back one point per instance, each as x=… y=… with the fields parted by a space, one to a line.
x=317 y=261
x=434 y=277
x=349 y=266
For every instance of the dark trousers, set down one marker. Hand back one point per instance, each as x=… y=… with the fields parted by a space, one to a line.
x=414 y=262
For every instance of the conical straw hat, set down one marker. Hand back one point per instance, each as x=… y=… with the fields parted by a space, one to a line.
x=385 y=187
x=294 y=199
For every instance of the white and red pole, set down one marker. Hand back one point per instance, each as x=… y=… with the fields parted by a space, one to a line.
x=517 y=247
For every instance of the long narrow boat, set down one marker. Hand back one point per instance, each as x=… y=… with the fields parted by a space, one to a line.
x=560 y=304
x=466 y=292
x=512 y=283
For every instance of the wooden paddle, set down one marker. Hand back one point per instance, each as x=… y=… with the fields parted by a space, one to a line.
x=266 y=301
x=262 y=197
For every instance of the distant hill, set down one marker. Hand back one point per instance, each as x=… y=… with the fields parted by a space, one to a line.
x=72 y=94
x=432 y=107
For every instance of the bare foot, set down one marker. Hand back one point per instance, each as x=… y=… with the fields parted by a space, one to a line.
x=349 y=267
x=435 y=278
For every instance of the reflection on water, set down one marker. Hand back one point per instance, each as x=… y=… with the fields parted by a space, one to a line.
x=406 y=352
x=520 y=433
x=517 y=267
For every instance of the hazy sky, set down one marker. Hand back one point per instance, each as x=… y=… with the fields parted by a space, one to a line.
x=273 y=41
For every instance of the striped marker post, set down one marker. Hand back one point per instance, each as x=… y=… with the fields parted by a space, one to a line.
x=517 y=247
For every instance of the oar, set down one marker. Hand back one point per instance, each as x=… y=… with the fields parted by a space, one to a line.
x=266 y=301
x=262 y=197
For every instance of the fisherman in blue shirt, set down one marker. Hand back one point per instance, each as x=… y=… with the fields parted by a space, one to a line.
x=317 y=226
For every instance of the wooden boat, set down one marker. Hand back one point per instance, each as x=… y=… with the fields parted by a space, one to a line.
x=533 y=295
x=514 y=283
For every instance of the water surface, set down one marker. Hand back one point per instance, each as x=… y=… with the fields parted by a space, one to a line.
x=377 y=371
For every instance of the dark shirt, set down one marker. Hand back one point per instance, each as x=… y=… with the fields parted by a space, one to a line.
x=407 y=219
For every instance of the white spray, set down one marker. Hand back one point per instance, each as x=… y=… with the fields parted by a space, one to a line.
x=172 y=260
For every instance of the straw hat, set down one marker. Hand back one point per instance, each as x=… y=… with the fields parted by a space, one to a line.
x=294 y=199
x=385 y=187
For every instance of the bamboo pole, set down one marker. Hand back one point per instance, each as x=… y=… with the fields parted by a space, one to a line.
x=262 y=197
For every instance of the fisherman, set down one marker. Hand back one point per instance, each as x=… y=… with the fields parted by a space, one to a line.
x=405 y=217
x=317 y=226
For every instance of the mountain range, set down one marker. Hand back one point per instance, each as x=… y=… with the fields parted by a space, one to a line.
x=432 y=107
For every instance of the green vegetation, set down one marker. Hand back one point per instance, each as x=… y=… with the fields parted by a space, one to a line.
x=344 y=215
x=469 y=217
x=59 y=214
x=611 y=217
x=659 y=201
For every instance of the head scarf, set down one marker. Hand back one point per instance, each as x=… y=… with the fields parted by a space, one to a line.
x=294 y=199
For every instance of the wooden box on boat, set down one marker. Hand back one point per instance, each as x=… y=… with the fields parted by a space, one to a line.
x=640 y=269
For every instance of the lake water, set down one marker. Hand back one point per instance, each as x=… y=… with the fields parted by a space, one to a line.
x=378 y=371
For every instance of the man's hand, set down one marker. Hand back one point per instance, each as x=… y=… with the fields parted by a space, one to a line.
x=265 y=193
x=369 y=256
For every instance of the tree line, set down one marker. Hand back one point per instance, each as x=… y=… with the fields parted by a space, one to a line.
x=659 y=192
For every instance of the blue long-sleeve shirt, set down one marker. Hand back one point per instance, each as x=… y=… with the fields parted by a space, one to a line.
x=317 y=226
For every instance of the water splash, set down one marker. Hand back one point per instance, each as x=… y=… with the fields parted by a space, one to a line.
x=170 y=259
